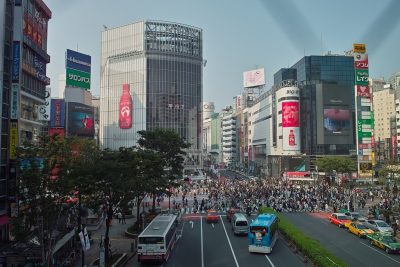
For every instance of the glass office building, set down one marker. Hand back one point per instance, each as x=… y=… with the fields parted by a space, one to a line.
x=162 y=64
x=326 y=90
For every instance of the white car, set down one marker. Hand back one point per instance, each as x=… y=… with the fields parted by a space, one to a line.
x=378 y=226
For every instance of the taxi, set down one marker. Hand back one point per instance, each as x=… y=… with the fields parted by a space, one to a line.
x=212 y=216
x=359 y=229
x=339 y=219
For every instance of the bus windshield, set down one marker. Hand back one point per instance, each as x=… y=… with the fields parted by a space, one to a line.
x=151 y=240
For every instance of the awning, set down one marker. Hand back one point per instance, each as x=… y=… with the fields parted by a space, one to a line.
x=4 y=219
x=63 y=241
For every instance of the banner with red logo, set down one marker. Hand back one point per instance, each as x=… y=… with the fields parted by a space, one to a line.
x=290 y=114
x=363 y=91
x=361 y=61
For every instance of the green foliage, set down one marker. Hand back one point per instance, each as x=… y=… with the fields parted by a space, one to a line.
x=339 y=164
x=307 y=245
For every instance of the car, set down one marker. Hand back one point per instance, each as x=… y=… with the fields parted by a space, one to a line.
x=359 y=229
x=212 y=216
x=359 y=220
x=379 y=226
x=231 y=212
x=384 y=241
x=339 y=219
x=353 y=215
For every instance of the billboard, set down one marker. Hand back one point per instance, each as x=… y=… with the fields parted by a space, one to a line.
x=359 y=48
x=336 y=121
x=76 y=78
x=125 y=108
x=290 y=114
x=13 y=140
x=14 y=101
x=361 y=61
x=363 y=91
x=80 y=119
x=16 y=61
x=362 y=76
x=57 y=113
x=78 y=61
x=253 y=78
x=291 y=138
x=44 y=110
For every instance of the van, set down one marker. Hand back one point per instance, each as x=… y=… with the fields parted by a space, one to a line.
x=240 y=224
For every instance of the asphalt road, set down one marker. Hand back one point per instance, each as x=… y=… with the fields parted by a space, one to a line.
x=350 y=248
x=214 y=245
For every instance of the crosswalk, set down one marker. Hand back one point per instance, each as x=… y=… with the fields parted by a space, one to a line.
x=191 y=210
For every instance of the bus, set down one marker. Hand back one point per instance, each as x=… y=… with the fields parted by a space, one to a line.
x=157 y=240
x=263 y=233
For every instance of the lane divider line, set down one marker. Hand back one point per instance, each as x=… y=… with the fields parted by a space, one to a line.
x=230 y=245
x=201 y=241
x=270 y=262
x=379 y=252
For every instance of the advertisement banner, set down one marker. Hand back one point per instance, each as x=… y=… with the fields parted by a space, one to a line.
x=362 y=77
x=363 y=91
x=80 y=119
x=16 y=61
x=360 y=61
x=359 y=48
x=14 y=101
x=125 y=108
x=78 y=61
x=44 y=110
x=75 y=78
x=291 y=138
x=253 y=78
x=57 y=113
x=290 y=114
x=13 y=140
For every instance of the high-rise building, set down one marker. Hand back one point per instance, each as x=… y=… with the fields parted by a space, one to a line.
x=229 y=151
x=394 y=80
x=25 y=37
x=151 y=76
x=326 y=104
x=384 y=109
x=6 y=25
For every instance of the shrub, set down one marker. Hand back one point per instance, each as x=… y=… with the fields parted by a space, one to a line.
x=308 y=246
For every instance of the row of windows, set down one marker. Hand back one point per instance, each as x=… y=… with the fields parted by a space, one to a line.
x=33 y=86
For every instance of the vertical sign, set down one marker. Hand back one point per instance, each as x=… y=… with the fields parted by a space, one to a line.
x=364 y=115
x=44 y=110
x=14 y=101
x=57 y=116
x=16 y=61
x=291 y=126
x=13 y=140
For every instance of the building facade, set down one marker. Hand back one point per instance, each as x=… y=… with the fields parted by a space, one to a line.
x=161 y=63
x=228 y=121
x=384 y=110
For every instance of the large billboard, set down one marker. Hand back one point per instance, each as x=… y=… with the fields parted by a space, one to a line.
x=78 y=61
x=125 y=108
x=76 y=78
x=57 y=113
x=291 y=126
x=337 y=121
x=253 y=78
x=80 y=119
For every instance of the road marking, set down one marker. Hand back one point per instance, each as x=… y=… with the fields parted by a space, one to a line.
x=212 y=225
x=270 y=262
x=201 y=241
x=230 y=245
x=380 y=252
x=191 y=222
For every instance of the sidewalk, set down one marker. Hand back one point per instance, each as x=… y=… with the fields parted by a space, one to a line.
x=119 y=243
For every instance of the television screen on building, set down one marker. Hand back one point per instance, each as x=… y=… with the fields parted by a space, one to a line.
x=336 y=121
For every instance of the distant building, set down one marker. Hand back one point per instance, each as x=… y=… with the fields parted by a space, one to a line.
x=384 y=109
x=228 y=120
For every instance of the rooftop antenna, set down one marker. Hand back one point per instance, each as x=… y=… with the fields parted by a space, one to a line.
x=77 y=47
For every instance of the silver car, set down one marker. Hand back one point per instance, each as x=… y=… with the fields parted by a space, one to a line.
x=378 y=226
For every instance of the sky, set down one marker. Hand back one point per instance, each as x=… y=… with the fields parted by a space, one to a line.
x=238 y=35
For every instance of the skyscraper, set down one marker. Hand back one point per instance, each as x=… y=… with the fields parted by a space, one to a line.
x=151 y=76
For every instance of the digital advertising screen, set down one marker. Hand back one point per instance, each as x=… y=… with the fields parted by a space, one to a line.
x=337 y=121
x=80 y=120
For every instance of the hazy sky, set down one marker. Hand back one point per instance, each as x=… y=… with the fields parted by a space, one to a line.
x=238 y=35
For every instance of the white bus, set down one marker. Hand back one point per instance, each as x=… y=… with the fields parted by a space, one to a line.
x=157 y=240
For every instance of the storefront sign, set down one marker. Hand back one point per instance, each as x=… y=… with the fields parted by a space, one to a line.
x=16 y=61
x=14 y=101
x=13 y=140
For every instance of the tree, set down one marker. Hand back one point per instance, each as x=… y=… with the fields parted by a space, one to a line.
x=339 y=164
x=44 y=186
x=170 y=147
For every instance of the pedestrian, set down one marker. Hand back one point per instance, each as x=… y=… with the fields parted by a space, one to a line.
x=119 y=216
x=123 y=218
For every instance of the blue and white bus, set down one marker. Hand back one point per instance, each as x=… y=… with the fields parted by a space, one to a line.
x=263 y=233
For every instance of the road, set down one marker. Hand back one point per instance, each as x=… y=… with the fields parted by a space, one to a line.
x=350 y=248
x=214 y=245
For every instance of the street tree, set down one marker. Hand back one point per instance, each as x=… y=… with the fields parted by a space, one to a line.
x=171 y=149
x=339 y=164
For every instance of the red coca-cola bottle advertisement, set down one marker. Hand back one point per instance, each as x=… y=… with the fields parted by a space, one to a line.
x=292 y=140
x=125 y=108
